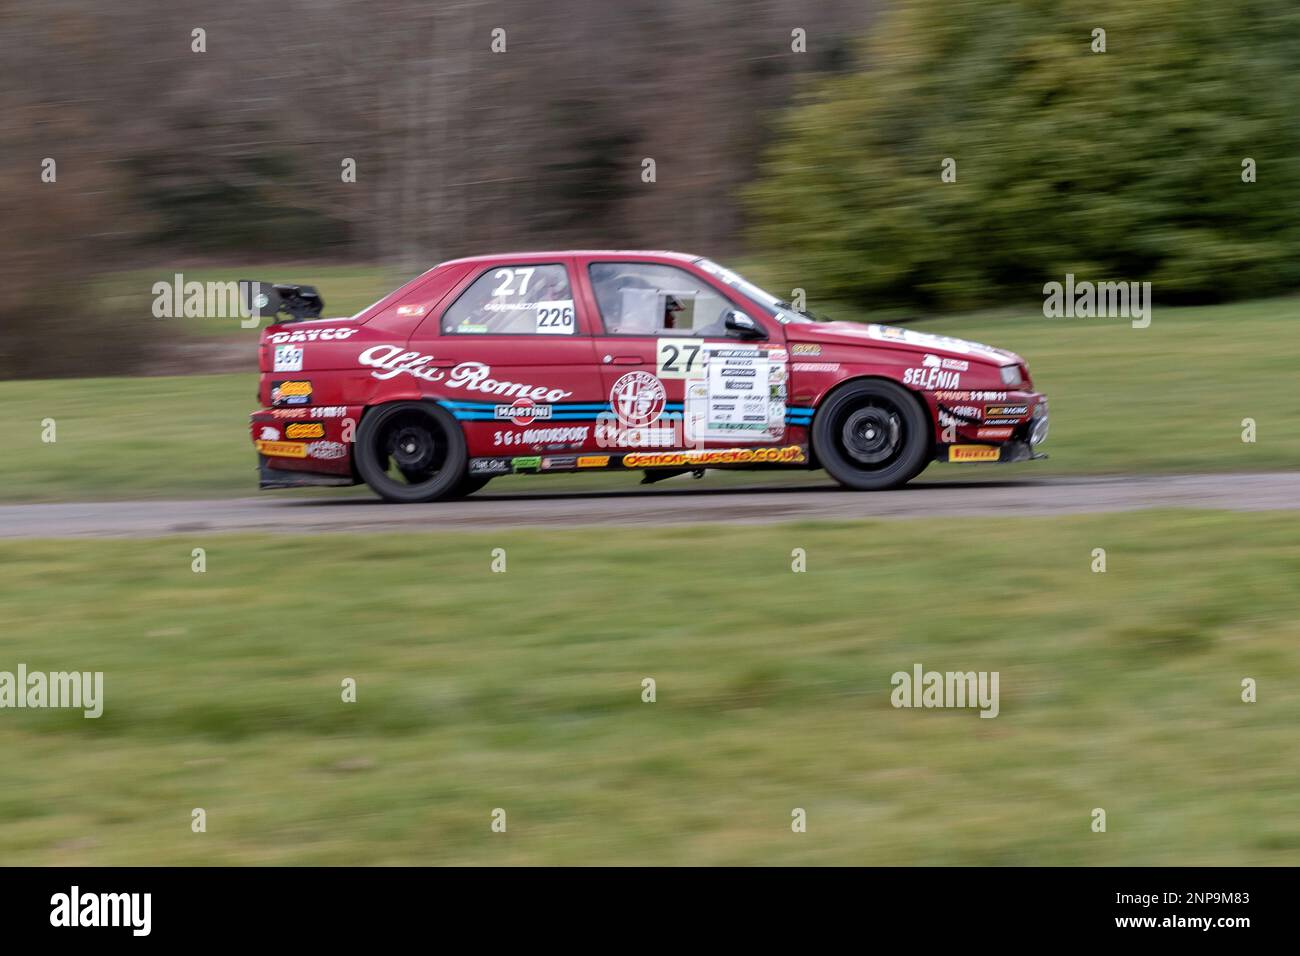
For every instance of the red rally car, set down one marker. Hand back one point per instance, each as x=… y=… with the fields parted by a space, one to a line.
x=580 y=361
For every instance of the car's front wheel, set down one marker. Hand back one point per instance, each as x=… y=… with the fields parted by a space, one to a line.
x=872 y=434
x=411 y=451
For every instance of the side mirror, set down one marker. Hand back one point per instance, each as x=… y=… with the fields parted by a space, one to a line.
x=742 y=326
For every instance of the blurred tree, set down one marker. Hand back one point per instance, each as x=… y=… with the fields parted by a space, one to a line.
x=1122 y=165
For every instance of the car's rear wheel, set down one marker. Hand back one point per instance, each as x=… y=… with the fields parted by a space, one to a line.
x=411 y=451
x=872 y=434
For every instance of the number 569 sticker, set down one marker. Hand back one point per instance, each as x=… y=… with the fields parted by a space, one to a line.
x=679 y=358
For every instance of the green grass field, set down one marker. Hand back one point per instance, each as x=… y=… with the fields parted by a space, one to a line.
x=1168 y=398
x=522 y=690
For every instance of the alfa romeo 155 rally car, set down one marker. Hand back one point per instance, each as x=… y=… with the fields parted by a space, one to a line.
x=628 y=361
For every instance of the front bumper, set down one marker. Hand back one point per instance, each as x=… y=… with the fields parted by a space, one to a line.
x=984 y=437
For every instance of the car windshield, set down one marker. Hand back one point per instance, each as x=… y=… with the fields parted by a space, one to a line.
x=782 y=311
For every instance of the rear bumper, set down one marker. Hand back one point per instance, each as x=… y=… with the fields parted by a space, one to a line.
x=308 y=447
x=268 y=477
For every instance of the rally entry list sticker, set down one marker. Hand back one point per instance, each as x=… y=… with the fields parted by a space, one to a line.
x=739 y=395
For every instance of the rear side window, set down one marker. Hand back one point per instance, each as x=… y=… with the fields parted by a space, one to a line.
x=641 y=298
x=514 y=300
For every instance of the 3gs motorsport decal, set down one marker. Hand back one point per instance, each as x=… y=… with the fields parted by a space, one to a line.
x=559 y=435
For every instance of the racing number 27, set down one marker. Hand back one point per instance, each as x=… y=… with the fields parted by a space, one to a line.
x=677 y=358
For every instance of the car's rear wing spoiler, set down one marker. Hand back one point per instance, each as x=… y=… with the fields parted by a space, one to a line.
x=299 y=302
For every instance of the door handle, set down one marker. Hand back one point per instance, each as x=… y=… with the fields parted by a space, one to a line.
x=626 y=359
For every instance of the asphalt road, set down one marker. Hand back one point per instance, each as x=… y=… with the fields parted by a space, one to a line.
x=658 y=504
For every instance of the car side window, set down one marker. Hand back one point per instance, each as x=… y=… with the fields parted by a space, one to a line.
x=514 y=300
x=643 y=298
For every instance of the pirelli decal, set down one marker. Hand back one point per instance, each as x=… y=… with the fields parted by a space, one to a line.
x=974 y=453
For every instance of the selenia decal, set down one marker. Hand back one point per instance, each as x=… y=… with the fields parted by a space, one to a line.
x=928 y=378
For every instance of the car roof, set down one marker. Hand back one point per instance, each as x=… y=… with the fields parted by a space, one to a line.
x=544 y=254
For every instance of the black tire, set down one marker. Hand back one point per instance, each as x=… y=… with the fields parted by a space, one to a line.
x=872 y=434
x=411 y=451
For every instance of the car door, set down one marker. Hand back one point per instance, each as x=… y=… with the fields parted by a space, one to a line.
x=674 y=374
x=516 y=360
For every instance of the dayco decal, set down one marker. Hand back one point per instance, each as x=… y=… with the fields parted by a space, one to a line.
x=563 y=463
x=299 y=430
x=390 y=361
x=310 y=335
x=791 y=454
x=1005 y=411
x=282 y=449
x=327 y=450
x=523 y=412
x=543 y=436
x=973 y=453
x=291 y=393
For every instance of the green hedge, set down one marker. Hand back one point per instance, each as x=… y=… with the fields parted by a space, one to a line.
x=1122 y=165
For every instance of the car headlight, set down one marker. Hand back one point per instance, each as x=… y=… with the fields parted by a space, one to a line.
x=1011 y=376
x=1038 y=430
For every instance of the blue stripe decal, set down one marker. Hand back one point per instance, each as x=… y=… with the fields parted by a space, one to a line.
x=568 y=406
x=485 y=416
